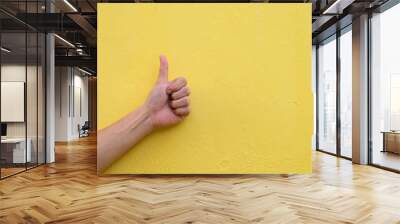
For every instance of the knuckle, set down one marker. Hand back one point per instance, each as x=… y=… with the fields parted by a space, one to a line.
x=187 y=111
x=181 y=82
x=184 y=81
x=184 y=101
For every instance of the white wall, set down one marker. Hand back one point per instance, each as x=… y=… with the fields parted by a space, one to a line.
x=16 y=72
x=71 y=87
x=80 y=84
x=33 y=127
x=62 y=81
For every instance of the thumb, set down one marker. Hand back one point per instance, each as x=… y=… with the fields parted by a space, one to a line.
x=163 y=73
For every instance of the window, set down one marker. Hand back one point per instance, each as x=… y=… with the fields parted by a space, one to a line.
x=327 y=95
x=346 y=93
x=385 y=89
x=22 y=107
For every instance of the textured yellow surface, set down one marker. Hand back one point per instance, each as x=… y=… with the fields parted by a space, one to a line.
x=249 y=69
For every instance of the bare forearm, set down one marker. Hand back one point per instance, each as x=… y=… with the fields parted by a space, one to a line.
x=167 y=104
x=118 y=138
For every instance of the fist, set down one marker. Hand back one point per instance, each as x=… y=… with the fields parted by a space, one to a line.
x=168 y=101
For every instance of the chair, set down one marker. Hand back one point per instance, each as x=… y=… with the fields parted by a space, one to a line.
x=84 y=130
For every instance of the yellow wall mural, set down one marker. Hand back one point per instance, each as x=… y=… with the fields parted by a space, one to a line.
x=249 y=70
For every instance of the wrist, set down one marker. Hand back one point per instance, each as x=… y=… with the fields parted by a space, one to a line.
x=147 y=112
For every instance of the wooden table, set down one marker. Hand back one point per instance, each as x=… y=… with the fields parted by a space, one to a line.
x=391 y=141
x=13 y=150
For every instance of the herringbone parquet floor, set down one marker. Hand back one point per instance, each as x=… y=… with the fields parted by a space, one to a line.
x=69 y=191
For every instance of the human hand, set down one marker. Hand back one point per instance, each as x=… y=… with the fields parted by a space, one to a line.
x=168 y=101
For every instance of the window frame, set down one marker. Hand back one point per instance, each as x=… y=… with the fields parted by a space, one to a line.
x=334 y=37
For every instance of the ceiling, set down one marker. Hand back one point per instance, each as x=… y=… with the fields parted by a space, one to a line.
x=76 y=22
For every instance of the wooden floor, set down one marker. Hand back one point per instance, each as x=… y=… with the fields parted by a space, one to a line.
x=70 y=192
x=5 y=172
x=9 y=171
x=386 y=159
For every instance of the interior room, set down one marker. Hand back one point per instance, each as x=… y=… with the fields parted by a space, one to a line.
x=48 y=105
x=385 y=90
x=22 y=101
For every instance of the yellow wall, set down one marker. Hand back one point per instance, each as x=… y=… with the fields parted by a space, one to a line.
x=249 y=69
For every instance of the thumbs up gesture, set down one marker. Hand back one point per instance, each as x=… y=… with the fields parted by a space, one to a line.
x=168 y=101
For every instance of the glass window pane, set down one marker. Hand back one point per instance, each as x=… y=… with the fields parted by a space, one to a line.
x=31 y=87
x=346 y=94
x=14 y=153
x=41 y=98
x=327 y=96
x=385 y=88
x=32 y=95
x=22 y=89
